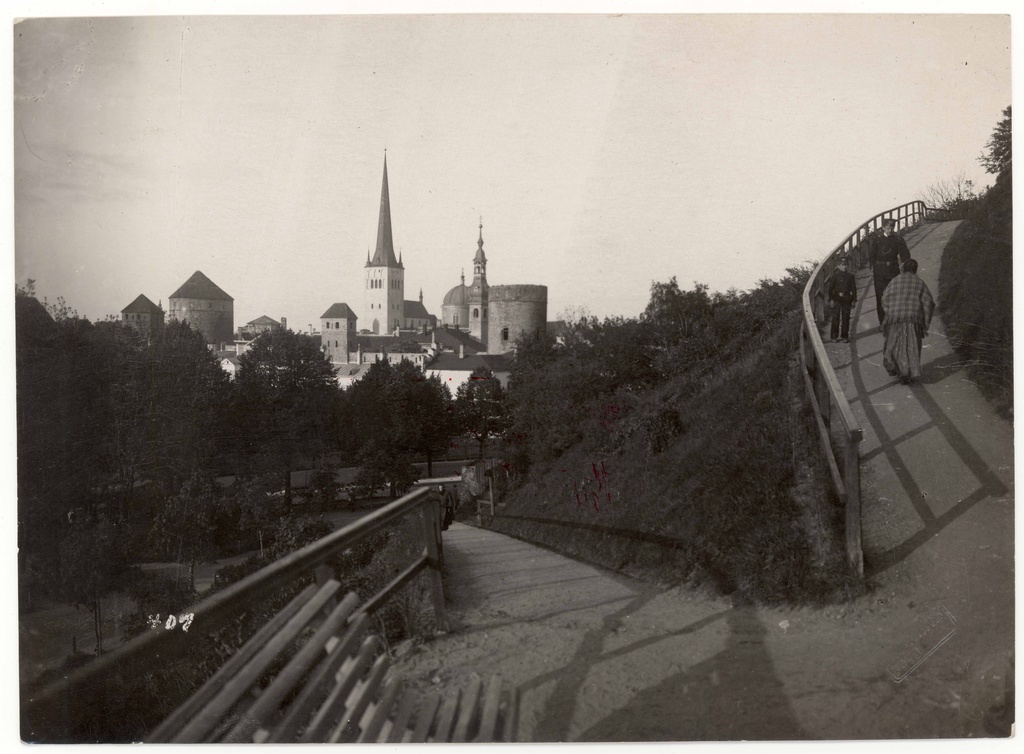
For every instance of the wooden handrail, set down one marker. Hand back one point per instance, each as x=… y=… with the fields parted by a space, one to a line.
x=218 y=609
x=823 y=389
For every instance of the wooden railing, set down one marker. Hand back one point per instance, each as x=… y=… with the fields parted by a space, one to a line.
x=46 y=714
x=823 y=389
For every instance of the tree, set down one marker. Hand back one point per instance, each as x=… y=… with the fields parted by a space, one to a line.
x=258 y=508
x=184 y=528
x=383 y=463
x=395 y=412
x=428 y=418
x=188 y=392
x=323 y=487
x=283 y=413
x=480 y=406
x=92 y=563
x=955 y=194
x=676 y=314
x=999 y=155
x=63 y=423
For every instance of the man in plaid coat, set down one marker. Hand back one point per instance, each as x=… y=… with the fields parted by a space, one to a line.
x=908 y=308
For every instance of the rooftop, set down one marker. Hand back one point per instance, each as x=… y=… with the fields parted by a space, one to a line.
x=142 y=305
x=200 y=286
x=339 y=311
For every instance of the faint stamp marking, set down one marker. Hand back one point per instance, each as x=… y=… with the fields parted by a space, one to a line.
x=938 y=627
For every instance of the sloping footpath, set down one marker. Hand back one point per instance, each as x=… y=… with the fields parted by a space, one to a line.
x=926 y=654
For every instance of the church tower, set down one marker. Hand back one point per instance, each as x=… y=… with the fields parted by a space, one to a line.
x=383 y=308
x=478 y=292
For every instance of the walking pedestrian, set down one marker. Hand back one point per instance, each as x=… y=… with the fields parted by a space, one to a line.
x=908 y=315
x=886 y=253
x=843 y=295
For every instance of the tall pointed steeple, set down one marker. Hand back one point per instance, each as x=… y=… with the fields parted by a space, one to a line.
x=384 y=299
x=384 y=255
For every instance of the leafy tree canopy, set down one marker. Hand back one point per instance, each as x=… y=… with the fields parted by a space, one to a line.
x=998 y=157
x=284 y=410
x=480 y=406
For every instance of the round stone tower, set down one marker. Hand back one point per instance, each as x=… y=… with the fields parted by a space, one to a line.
x=514 y=311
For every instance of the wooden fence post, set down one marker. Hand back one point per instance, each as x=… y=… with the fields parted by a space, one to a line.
x=431 y=535
x=851 y=481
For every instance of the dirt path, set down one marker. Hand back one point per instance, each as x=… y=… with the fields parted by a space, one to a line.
x=598 y=657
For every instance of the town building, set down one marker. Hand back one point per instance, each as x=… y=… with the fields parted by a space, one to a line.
x=454 y=369
x=416 y=317
x=251 y=330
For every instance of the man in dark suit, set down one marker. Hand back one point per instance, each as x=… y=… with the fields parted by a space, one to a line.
x=843 y=295
x=886 y=253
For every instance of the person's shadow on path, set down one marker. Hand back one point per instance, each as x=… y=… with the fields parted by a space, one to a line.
x=733 y=695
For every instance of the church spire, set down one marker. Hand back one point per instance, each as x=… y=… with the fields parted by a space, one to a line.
x=480 y=258
x=384 y=255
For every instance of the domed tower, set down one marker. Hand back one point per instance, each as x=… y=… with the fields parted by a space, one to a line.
x=384 y=307
x=478 y=292
x=455 y=307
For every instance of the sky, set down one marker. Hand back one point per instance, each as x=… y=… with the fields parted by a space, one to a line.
x=600 y=152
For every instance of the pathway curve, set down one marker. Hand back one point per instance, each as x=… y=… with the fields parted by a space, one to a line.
x=599 y=657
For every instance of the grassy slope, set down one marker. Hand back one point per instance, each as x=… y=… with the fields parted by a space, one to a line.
x=740 y=501
x=976 y=293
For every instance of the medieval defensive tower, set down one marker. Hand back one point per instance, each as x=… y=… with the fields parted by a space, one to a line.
x=514 y=311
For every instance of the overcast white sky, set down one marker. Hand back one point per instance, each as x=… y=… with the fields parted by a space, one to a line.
x=602 y=152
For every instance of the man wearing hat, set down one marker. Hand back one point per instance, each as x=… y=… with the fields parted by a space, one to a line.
x=842 y=292
x=886 y=253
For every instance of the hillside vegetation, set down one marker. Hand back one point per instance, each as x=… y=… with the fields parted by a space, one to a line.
x=676 y=447
x=976 y=287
